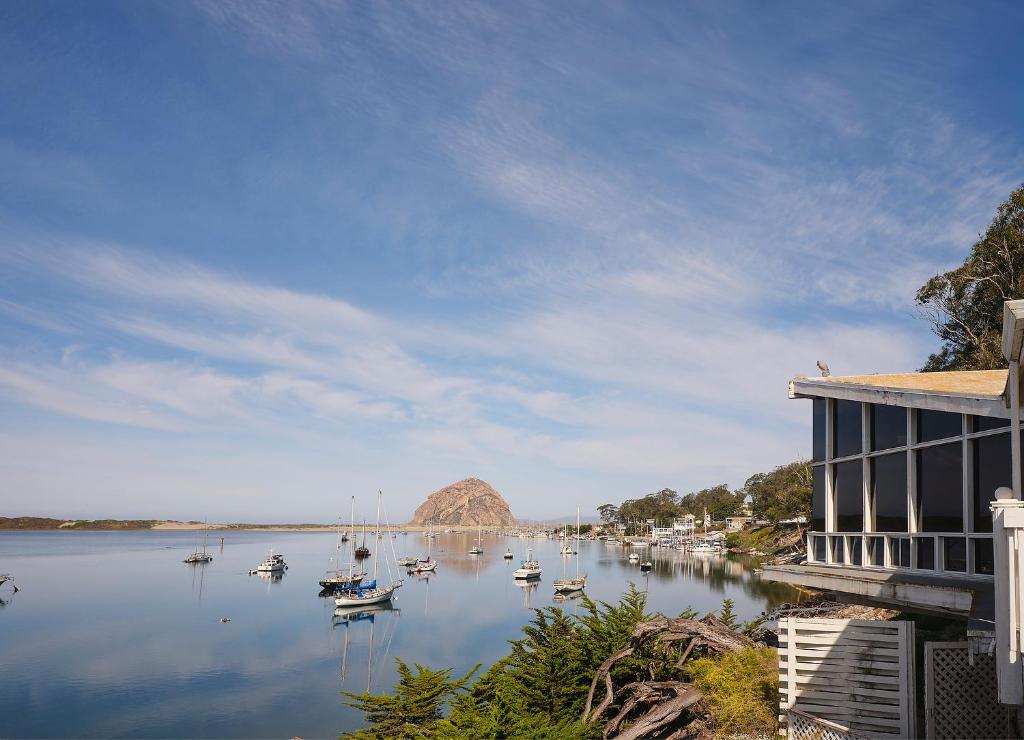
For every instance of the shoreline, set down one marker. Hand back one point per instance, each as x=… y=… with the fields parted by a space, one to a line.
x=177 y=526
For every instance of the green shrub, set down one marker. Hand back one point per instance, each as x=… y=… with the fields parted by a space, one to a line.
x=741 y=691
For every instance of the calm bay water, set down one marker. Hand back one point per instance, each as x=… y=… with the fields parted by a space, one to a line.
x=113 y=636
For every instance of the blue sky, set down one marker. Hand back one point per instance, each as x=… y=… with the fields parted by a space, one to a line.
x=258 y=256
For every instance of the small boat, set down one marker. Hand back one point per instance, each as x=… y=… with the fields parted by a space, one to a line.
x=646 y=565
x=424 y=566
x=633 y=557
x=477 y=549
x=528 y=568
x=570 y=585
x=341 y=581
x=407 y=562
x=201 y=556
x=508 y=554
x=612 y=542
x=566 y=547
x=273 y=564
x=704 y=548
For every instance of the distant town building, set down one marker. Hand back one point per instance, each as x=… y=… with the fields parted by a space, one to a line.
x=736 y=522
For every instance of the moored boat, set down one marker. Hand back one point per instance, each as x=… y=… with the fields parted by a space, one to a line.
x=273 y=564
x=528 y=568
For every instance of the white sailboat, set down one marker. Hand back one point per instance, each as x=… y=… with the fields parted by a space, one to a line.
x=567 y=585
x=371 y=593
x=425 y=566
x=201 y=556
x=477 y=549
x=566 y=547
x=528 y=568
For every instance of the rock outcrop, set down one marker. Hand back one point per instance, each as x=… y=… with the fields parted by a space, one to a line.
x=469 y=502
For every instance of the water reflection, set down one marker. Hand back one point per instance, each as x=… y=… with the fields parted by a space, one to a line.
x=165 y=665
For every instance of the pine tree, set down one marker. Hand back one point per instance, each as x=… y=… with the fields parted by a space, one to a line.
x=416 y=708
x=727 y=615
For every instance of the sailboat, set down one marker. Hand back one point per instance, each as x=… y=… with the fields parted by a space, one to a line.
x=528 y=568
x=370 y=593
x=362 y=551
x=425 y=566
x=566 y=585
x=339 y=580
x=508 y=553
x=567 y=548
x=477 y=549
x=201 y=556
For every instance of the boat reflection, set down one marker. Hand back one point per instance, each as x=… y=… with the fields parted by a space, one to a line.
x=346 y=615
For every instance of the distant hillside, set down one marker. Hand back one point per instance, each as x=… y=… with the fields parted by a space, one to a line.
x=38 y=522
x=467 y=502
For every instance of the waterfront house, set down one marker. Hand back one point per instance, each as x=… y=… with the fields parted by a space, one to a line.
x=916 y=497
x=732 y=523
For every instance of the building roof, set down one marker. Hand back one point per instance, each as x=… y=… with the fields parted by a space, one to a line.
x=989 y=383
x=981 y=392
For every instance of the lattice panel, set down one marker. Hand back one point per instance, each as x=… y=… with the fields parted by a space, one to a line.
x=961 y=699
x=805 y=727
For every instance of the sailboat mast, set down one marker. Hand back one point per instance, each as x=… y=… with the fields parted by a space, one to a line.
x=376 y=555
x=353 y=521
x=577 y=541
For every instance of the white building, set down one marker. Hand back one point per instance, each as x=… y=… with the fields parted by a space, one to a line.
x=907 y=470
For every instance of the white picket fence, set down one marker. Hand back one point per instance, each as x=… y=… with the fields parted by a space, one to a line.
x=856 y=673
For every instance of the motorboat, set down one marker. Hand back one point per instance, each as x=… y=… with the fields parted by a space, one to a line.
x=704 y=548
x=424 y=566
x=508 y=554
x=646 y=566
x=407 y=562
x=528 y=568
x=273 y=564
x=634 y=558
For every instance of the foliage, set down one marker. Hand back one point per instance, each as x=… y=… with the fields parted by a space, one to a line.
x=666 y=505
x=539 y=689
x=965 y=305
x=417 y=706
x=783 y=493
x=727 y=614
x=741 y=691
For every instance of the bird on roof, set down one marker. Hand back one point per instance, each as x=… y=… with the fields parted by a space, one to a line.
x=823 y=366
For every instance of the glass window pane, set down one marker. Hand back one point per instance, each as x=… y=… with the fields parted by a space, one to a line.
x=855 y=557
x=837 y=549
x=819 y=429
x=984 y=562
x=819 y=549
x=926 y=553
x=933 y=425
x=888 y=427
x=992 y=469
x=954 y=554
x=940 y=488
x=985 y=423
x=899 y=552
x=849 y=497
x=847 y=428
x=876 y=551
x=889 y=492
x=818 y=499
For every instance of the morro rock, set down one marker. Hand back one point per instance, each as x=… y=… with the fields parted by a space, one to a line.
x=468 y=502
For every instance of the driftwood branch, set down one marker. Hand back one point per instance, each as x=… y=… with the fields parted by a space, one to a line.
x=661 y=702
